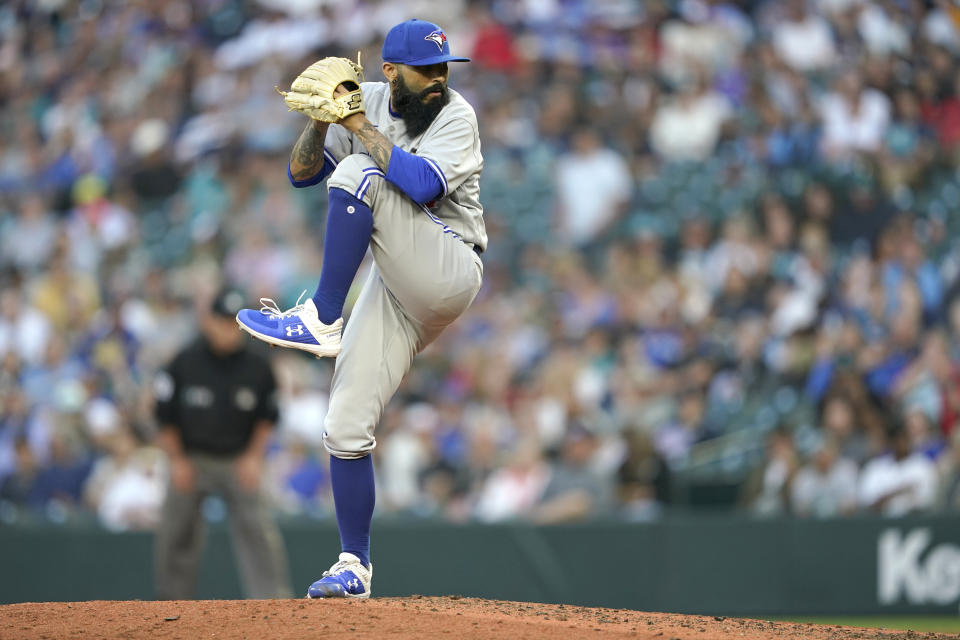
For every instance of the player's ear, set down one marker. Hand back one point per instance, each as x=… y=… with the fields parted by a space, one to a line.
x=390 y=71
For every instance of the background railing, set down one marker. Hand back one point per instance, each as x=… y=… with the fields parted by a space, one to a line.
x=695 y=564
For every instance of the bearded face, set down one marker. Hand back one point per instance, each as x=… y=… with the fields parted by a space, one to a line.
x=417 y=109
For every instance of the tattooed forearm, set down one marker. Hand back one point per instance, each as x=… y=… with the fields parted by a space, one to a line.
x=306 y=160
x=376 y=143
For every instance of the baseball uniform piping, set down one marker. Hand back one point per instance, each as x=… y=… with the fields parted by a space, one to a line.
x=443 y=179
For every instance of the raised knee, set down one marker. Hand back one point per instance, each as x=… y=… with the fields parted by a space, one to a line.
x=355 y=174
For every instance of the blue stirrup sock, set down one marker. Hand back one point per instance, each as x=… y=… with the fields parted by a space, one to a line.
x=354 y=496
x=349 y=225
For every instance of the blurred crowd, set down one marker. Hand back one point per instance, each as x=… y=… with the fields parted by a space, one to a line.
x=723 y=249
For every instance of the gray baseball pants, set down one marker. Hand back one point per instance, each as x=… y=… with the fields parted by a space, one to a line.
x=424 y=277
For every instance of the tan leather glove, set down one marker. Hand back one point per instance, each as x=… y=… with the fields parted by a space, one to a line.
x=313 y=92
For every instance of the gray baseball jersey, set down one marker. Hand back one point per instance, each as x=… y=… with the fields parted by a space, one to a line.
x=426 y=271
x=451 y=145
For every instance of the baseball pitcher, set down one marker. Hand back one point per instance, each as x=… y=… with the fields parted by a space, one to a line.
x=402 y=163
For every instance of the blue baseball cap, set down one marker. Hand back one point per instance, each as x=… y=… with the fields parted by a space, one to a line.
x=417 y=43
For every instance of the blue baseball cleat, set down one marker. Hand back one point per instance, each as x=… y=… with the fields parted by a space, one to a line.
x=296 y=328
x=348 y=578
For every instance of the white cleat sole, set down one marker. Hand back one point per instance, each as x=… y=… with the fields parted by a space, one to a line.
x=318 y=350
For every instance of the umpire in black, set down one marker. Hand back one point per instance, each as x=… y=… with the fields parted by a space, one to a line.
x=216 y=405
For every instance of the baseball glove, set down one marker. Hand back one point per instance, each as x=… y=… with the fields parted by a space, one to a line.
x=313 y=92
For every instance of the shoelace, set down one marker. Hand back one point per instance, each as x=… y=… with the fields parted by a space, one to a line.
x=336 y=569
x=270 y=307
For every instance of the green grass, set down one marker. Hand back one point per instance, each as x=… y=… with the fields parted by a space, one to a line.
x=943 y=624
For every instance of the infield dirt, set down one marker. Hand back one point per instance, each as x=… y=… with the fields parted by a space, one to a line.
x=411 y=618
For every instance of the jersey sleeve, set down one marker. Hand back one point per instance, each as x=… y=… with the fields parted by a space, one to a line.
x=453 y=152
x=414 y=175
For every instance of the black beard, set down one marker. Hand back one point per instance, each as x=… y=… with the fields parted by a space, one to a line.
x=417 y=114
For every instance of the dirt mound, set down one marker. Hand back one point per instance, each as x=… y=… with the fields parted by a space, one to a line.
x=399 y=618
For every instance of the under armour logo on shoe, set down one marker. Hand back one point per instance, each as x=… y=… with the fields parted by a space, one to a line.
x=293 y=330
x=353 y=584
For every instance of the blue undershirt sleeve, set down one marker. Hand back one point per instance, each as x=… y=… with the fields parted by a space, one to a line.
x=415 y=176
x=325 y=170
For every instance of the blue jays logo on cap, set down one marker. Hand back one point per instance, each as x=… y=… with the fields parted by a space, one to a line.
x=438 y=37
x=411 y=43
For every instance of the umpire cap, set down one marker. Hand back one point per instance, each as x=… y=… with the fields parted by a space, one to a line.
x=227 y=302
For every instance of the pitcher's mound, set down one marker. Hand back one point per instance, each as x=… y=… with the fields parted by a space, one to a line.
x=411 y=618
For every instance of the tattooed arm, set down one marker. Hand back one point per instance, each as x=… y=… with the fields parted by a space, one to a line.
x=376 y=143
x=306 y=160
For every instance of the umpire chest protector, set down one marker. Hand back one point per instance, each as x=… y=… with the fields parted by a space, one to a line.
x=216 y=400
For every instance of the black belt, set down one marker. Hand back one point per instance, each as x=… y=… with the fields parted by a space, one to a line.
x=476 y=248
